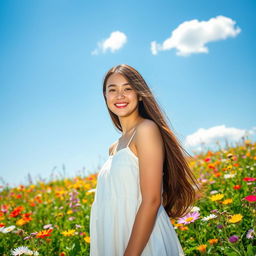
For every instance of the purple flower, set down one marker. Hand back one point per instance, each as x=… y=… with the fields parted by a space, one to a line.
x=73 y=199
x=233 y=239
x=220 y=226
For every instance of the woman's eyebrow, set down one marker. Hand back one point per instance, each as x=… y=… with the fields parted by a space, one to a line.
x=115 y=84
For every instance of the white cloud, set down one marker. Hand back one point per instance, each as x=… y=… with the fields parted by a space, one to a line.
x=192 y=36
x=114 y=42
x=220 y=134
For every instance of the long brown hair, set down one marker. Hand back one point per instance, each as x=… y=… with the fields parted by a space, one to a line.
x=179 y=182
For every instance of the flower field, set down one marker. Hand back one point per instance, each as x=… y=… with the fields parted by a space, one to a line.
x=53 y=218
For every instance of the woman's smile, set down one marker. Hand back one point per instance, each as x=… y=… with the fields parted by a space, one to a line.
x=121 y=105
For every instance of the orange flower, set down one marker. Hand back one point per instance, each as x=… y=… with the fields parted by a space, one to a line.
x=211 y=166
x=217 y=174
x=213 y=241
x=183 y=228
x=44 y=233
x=201 y=248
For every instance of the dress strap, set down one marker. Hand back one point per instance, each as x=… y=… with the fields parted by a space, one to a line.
x=131 y=138
x=114 y=149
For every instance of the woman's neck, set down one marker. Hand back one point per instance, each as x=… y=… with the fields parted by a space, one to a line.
x=128 y=127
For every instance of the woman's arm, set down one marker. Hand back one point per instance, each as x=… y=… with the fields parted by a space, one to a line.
x=150 y=150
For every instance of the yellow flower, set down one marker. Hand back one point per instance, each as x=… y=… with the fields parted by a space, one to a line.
x=69 y=212
x=60 y=214
x=87 y=239
x=229 y=167
x=216 y=197
x=227 y=201
x=235 y=218
x=70 y=232
x=21 y=222
x=178 y=225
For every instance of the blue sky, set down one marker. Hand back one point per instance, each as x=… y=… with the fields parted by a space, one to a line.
x=53 y=116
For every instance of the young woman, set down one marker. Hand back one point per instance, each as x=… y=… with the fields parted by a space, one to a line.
x=146 y=179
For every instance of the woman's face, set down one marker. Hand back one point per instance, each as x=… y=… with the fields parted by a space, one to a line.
x=118 y=90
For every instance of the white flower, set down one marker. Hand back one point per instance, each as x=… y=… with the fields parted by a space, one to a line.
x=8 y=229
x=211 y=216
x=214 y=192
x=36 y=253
x=195 y=209
x=229 y=175
x=21 y=250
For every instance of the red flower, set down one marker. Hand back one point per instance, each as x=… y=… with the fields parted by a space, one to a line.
x=16 y=211
x=249 y=179
x=250 y=198
x=237 y=187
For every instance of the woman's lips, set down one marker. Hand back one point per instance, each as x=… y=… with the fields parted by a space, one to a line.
x=121 y=105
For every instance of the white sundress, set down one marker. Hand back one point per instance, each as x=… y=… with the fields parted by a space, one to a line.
x=113 y=211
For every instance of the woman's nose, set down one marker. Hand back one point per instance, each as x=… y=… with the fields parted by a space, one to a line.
x=120 y=94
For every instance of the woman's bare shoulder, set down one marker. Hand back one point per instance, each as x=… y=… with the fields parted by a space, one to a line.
x=147 y=129
x=147 y=124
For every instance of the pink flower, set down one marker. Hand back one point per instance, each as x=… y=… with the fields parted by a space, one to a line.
x=250 y=234
x=190 y=217
x=250 y=198
x=249 y=179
